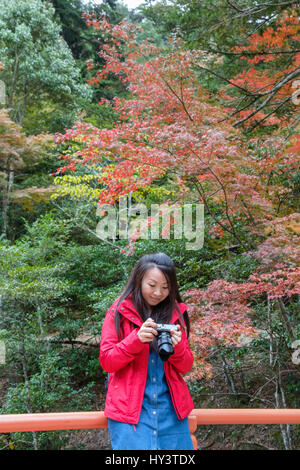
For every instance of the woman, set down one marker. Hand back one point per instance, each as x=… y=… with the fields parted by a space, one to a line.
x=147 y=401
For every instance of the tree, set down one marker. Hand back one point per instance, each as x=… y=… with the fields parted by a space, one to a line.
x=33 y=291
x=262 y=34
x=36 y=58
x=172 y=127
x=265 y=88
x=17 y=151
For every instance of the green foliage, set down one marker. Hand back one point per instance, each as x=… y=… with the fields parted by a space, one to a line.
x=47 y=114
x=82 y=364
x=25 y=283
x=97 y=115
x=44 y=63
x=49 y=389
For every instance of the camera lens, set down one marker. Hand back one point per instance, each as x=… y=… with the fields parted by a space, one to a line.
x=165 y=346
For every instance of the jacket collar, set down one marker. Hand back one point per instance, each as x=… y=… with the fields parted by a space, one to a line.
x=127 y=309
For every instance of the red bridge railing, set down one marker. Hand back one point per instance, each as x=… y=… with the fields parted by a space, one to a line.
x=96 y=419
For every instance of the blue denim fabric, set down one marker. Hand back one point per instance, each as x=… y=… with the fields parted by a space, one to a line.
x=159 y=427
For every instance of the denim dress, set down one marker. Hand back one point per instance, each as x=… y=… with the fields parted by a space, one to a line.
x=159 y=427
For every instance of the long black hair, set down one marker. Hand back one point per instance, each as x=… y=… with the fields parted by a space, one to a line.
x=161 y=312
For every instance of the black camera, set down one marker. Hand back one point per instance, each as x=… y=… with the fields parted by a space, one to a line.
x=164 y=340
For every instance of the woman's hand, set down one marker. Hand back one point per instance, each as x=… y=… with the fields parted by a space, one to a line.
x=147 y=331
x=176 y=336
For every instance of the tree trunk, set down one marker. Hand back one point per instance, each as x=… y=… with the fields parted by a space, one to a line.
x=13 y=83
x=228 y=376
x=286 y=320
x=284 y=428
x=6 y=201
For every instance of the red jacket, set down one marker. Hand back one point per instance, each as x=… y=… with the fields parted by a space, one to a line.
x=127 y=363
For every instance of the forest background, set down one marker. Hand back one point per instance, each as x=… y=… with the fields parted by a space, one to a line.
x=176 y=102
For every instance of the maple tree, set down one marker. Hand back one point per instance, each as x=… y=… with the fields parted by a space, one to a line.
x=253 y=48
x=266 y=84
x=172 y=126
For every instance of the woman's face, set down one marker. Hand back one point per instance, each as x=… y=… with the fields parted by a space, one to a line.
x=154 y=287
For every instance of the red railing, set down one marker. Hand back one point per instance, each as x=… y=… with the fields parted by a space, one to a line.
x=96 y=419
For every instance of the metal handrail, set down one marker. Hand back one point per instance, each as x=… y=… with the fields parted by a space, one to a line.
x=96 y=419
